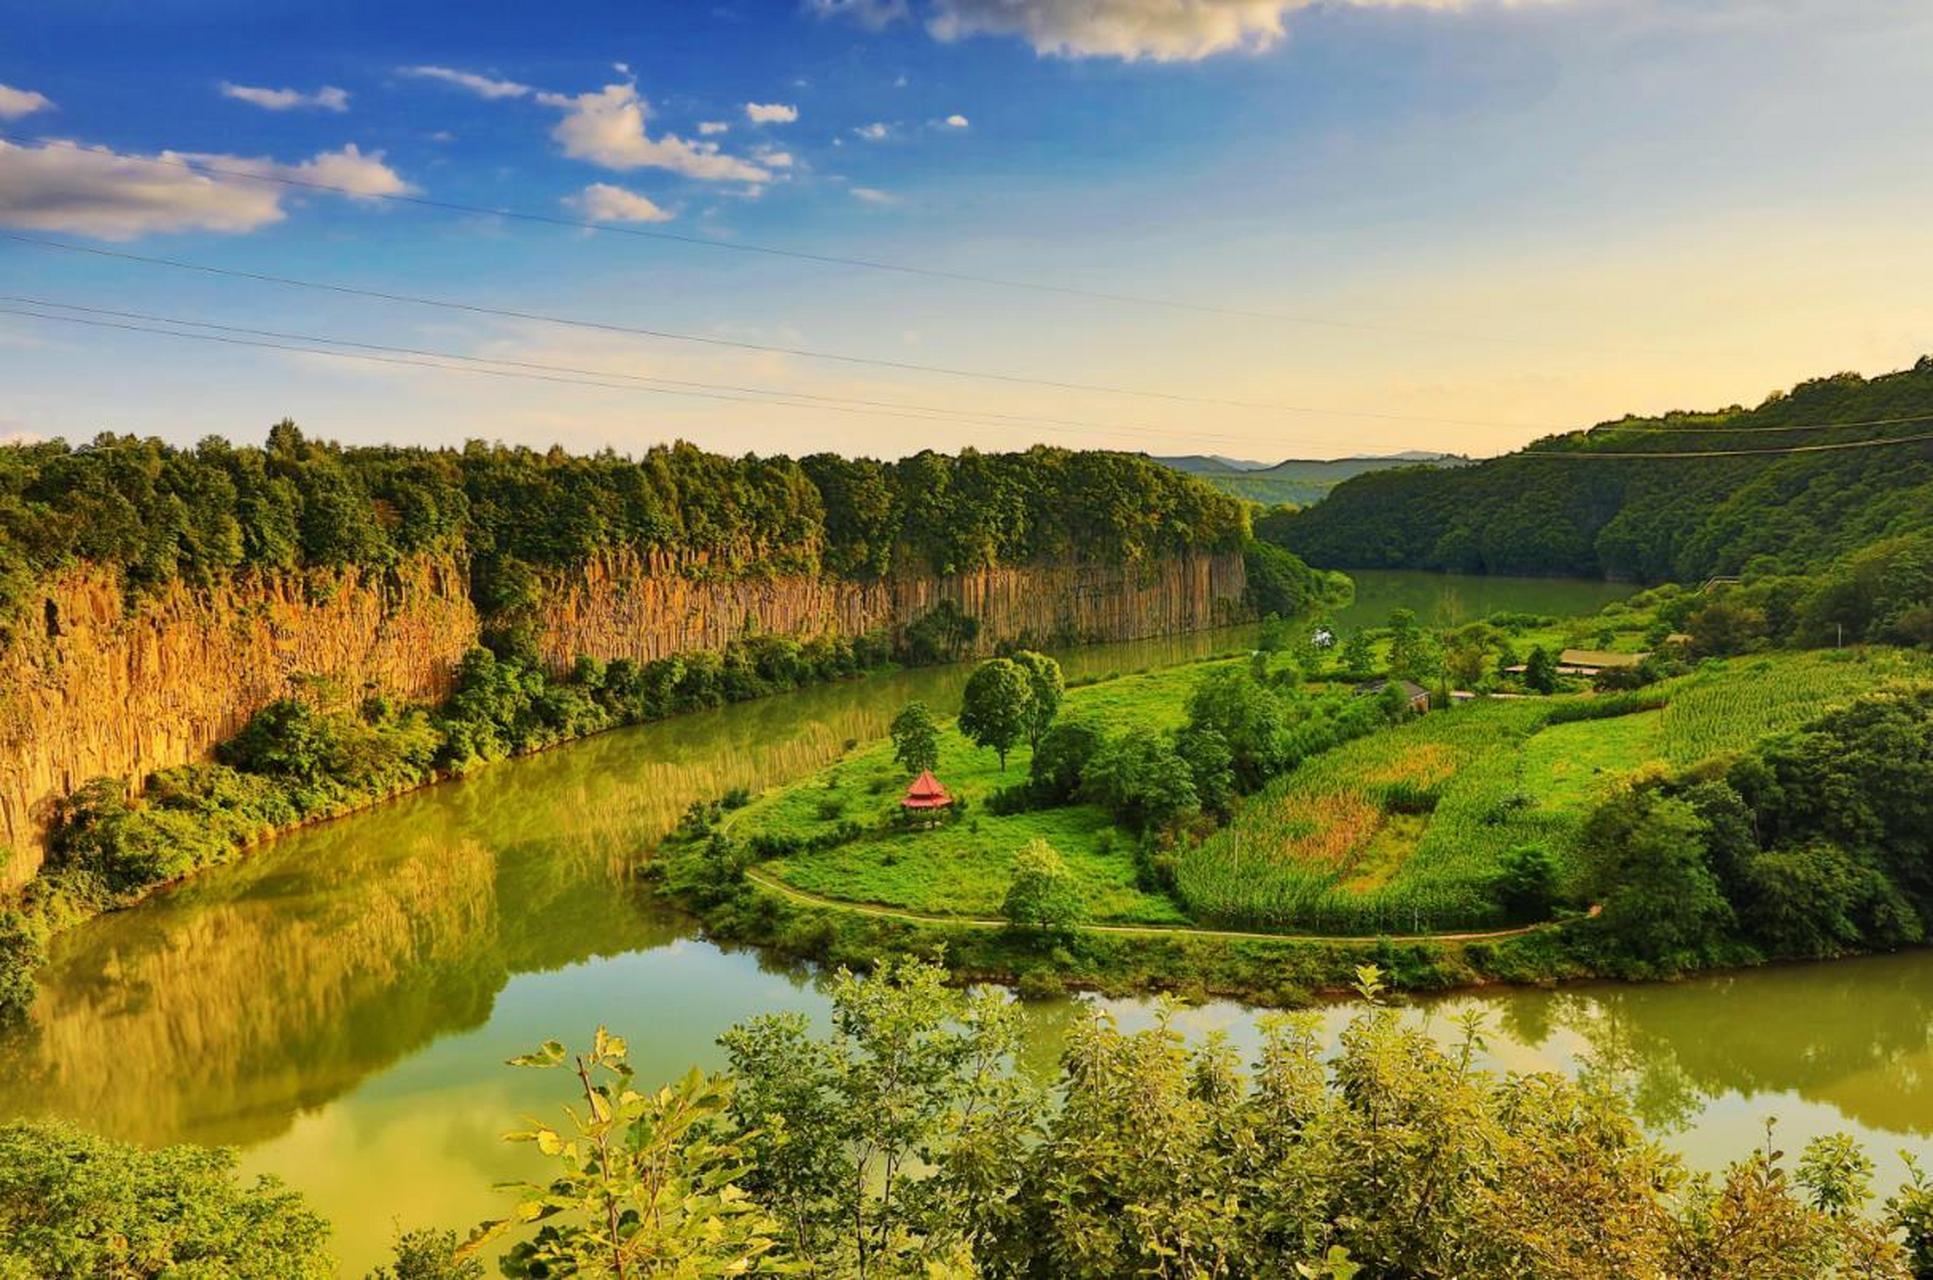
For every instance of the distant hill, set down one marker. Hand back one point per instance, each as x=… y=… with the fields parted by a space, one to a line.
x=1296 y=481
x=1683 y=518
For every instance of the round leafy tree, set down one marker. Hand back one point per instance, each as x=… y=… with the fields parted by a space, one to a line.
x=1044 y=894
x=1046 y=688
x=916 y=738
x=997 y=708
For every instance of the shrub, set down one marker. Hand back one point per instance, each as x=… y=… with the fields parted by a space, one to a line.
x=1044 y=894
x=74 y=1205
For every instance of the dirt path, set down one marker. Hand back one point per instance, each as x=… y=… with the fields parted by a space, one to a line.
x=772 y=884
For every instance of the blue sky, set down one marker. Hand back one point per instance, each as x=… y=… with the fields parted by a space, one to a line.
x=1410 y=223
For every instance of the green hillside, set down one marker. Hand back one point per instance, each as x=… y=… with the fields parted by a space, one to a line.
x=1296 y=482
x=1653 y=519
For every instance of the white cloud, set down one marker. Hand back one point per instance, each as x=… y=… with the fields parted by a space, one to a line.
x=91 y=191
x=357 y=174
x=771 y=113
x=874 y=132
x=710 y=127
x=15 y=103
x=482 y=86
x=327 y=98
x=871 y=14
x=602 y=202
x=955 y=121
x=873 y=195
x=773 y=158
x=607 y=128
x=1131 y=30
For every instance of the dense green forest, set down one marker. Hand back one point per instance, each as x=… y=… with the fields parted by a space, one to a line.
x=910 y=1141
x=162 y=513
x=1651 y=520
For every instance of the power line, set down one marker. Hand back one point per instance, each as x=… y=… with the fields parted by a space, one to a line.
x=774 y=251
x=646 y=379
x=274 y=340
x=1728 y=453
x=903 y=366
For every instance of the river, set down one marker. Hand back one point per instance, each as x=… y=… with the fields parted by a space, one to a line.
x=339 y=1004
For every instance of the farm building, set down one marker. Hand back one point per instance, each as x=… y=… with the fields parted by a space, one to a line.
x=1589 y=662
x=1419 y=697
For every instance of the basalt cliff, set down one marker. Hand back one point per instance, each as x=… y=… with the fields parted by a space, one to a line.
x=101 y=681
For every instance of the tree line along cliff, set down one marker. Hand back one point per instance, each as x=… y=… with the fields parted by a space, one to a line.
x=1654 y=519
x=154 y=597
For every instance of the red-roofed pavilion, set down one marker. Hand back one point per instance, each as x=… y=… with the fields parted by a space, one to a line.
x=926 y=798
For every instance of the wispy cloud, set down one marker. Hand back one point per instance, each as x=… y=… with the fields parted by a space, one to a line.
x=607 y=127
x=710 y=128
x=92 y=191
x=327 y=98
x=877 y=131
x=771 y=112
x=15 y=103
x=873 y=195
x=871 y=14
x=602 y=202
x=481 y=85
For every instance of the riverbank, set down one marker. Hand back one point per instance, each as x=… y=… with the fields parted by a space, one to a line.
x=412 y=947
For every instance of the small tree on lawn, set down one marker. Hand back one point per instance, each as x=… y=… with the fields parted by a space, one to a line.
x=1043 y=894
x=1358 y=656
x=1540 y=672
x=1045 y=687
x=916 y=738
x=997 y=708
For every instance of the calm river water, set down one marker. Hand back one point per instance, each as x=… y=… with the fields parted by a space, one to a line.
x=339 y=1004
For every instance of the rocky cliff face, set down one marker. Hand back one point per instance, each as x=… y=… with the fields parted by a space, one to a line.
x=94 y=682
x=619 y=607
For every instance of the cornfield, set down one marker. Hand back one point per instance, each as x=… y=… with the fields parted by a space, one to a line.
x=1335 y=846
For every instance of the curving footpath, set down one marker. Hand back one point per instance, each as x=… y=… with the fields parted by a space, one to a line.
x=772 y=884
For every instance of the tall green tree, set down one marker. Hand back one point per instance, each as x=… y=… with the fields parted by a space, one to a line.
x=1540 y=671
x=1644 y=863
x=996 y=708
x=1045 y=689
x=916 y=738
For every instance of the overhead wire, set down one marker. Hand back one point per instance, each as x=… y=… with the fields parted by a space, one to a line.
x=713 y=340
x=196 y=165
x=417 y=357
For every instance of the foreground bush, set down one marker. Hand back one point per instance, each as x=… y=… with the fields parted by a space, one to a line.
x=908 y=1143
x=74 y=1205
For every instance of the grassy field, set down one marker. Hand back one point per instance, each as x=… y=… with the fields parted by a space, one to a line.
x=1339 y=847
x=963 y=868
x=1399 y=832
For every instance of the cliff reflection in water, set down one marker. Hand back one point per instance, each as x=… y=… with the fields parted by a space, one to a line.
x=219 y=1011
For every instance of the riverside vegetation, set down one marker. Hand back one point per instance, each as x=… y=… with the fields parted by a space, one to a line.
x=1724 y=802
x=910 y=1141
x=156 y=513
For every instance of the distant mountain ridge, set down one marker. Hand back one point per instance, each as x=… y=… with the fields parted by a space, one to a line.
x=1296 y=481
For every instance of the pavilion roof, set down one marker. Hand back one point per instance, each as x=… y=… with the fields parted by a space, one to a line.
x=926 y=793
